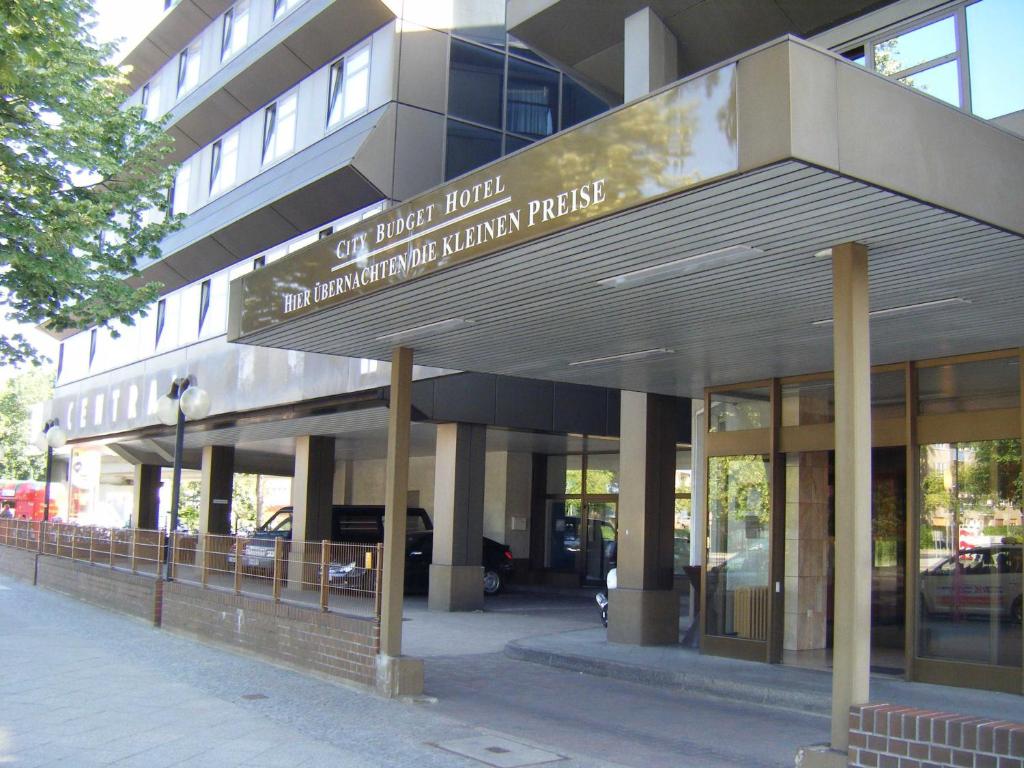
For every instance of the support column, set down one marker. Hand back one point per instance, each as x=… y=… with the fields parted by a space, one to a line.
x=456 y=573
x=146 y=497
x=852 y=635
x=312 y=491
x=218 y=477
x=644 y=609
x=396 y=675
x=651 y=54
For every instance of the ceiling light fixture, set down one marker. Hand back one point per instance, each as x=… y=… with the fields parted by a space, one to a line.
x=643 y=354
x=906 y=308
x=702 y=261
x=422 y=331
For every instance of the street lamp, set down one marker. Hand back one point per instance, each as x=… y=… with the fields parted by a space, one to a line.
x=184 y=400
x=51 y=437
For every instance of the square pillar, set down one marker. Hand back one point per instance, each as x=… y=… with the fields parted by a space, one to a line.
x=146 y=497
x=644 y=608
x=218 y=476
x=852 y=636
x=312 y=491
x=651 y=54
x=456 y=572
x=396 y=675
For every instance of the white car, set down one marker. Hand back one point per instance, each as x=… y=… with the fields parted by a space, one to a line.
x=980 y=581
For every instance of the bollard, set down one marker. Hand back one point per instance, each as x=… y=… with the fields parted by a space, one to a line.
x=325 y=556
x=278 y=558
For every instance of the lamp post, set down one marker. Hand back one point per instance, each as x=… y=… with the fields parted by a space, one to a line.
x=184 y=400
x=51 y=437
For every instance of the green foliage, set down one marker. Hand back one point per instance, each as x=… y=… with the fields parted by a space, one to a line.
x=78 y=176
x=188 y=505
x=17 y=460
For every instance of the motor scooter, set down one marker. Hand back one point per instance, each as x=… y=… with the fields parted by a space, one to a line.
x=602 y=596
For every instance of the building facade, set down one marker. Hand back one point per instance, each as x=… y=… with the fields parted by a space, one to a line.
x=660 y=313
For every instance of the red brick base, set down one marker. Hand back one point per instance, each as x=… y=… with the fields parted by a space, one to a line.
x=891 y=736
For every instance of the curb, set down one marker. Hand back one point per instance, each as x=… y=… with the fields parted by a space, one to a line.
x=719 y=687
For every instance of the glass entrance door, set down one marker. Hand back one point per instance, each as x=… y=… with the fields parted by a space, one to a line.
x=600 y=544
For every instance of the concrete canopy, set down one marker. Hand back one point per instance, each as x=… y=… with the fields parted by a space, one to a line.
x=708 y=31
x=828 y=153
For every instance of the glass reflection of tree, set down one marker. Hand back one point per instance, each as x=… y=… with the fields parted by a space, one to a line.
x=738 y=488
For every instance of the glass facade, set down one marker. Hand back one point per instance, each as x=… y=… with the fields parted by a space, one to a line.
x=501 y=98
x=971 y=530
x=740 y=409
x=739 y=510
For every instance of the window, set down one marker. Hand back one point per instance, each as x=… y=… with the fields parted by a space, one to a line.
x=234 y=30
x=92 y=346
x=281 y=7
x=150 y=101
x=476 y=84
x=279 y=128
x=349 y=87
x=144 y=100
x=180 y=189
x=532 y=108
x=578 y=104
x=325 y=232
x=161 y=318
x=995 y=29
x=223 y=163
x=188 y=69
x=60 y=359
x=469 y=147
x=204 y=302
x=259 y=263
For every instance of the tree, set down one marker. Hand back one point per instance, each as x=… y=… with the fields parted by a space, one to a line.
x=18 y=395
x=82 y=182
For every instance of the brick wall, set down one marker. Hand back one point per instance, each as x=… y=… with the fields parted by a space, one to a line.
x=129 y=593
x=890 y=736
x=306 y=638
x=19 y=563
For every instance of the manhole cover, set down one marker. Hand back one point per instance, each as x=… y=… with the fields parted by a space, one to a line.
x=253 y=696
x=499 y=752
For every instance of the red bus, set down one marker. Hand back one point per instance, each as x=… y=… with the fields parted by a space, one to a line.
x=25 y=499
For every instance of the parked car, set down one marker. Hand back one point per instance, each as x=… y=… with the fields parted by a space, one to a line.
x=364 y=524
x=976 y=581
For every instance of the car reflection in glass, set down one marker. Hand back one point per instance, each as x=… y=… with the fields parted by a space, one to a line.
x=981 y=581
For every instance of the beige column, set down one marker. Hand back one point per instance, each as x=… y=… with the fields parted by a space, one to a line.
x=456 y=573
x=312 y=488
x=852 y=635
x=644 y=608
x=396 y=675
x=146 y=496
x=218 y=476
x=650 y=54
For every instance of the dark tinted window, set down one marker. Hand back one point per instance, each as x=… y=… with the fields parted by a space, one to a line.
x=532 y=99
x=469 y=147
x=578 y=104
x=513 y=143
x=475 y=83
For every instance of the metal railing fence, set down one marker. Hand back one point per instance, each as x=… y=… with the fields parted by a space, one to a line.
x=330 y=575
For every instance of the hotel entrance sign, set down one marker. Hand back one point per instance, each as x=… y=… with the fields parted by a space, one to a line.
x=666 y=143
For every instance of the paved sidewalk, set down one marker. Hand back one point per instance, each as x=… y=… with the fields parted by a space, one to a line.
x=84 y=687
x=588 y=650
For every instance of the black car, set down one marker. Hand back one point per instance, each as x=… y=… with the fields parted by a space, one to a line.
x=364 y=524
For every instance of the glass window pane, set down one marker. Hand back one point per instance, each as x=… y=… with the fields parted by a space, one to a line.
x=603 y=473
x=978 y=386
x=514 y=143
x=476 y=84
x=563 y=534
x=971 y=529
x=532 y=99
x=942 y=82
x=808 y=402
x=737 y=560
x=916 y=47
x=995 y=29
x=573 y=475
x=683 y=511
x=578 y=104
x=469 y=147
x=740 y=409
